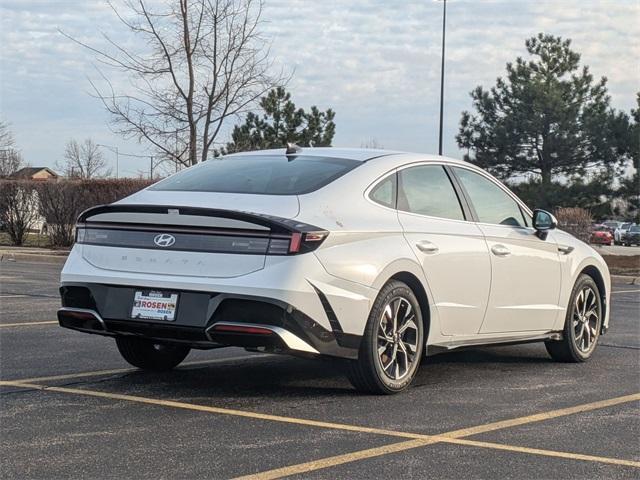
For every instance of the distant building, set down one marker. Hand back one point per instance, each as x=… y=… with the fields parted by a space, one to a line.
x=35 y=173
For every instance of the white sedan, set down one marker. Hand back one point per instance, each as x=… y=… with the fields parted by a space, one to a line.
x=372 y=256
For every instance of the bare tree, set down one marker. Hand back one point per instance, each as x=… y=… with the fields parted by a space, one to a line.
x=10 y=158
x=18 y=208
x=201 y=62
x=371 y=143
x=84 y=160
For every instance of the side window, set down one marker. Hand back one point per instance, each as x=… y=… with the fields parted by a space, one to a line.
x=427 y=190
x=385 y=192
x=491 y=203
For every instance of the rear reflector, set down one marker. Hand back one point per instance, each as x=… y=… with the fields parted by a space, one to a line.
x=240 y=329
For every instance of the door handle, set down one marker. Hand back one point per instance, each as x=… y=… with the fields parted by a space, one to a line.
x=565 y=249
x=426 y=246
x=500 y=250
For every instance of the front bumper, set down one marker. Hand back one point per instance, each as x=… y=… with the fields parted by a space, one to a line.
x=204 y=320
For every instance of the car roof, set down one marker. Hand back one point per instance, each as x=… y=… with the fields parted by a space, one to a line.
x=359 y=154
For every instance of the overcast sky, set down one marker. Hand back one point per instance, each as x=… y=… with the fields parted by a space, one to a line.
x=375 y=62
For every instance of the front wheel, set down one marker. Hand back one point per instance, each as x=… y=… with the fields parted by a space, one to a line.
x=392 y=343
x=148 y=355
x=583 y=323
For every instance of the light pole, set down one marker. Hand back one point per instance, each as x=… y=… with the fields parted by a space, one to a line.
x=113 y=149
x=444 y=21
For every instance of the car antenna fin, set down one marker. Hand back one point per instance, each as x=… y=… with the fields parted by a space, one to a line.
x=293 y=149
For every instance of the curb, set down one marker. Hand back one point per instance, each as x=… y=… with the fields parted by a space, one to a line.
x=32 y=258
x=625 y=279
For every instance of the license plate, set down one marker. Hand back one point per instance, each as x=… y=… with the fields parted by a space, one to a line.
x=154 y=305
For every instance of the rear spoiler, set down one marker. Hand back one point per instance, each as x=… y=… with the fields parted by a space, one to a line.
x=283 y=236
x=275 y=224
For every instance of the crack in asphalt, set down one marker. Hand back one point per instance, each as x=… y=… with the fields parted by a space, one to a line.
x=631 y=347
x=22 y=294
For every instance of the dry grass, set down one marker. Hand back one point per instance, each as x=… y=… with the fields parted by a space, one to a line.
x=623 y=264
x=31 y=240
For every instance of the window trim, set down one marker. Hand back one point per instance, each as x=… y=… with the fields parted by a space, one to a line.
x=375 y=183
x=369 y=191
x=470 y=212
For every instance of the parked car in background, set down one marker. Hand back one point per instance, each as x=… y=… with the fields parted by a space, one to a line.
x=620 y=231
x=601 y=235
x=632 y=236
x=611 y=225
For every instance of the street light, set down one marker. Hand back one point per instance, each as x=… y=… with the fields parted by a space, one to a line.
x=113 y=149
x=444 y=21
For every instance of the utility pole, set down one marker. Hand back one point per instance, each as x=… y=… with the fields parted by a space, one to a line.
x=115 y=150
x=444 y=21
x=151 y=167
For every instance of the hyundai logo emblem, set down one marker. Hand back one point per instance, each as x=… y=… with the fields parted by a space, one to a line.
x=164 y=240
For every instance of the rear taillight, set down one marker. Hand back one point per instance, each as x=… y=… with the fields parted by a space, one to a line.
x=306 y=242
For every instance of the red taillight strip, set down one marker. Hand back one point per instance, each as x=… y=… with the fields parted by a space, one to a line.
x=296 y=241
x=239 y=329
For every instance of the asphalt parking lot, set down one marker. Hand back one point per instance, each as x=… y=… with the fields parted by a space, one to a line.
x=72 y=408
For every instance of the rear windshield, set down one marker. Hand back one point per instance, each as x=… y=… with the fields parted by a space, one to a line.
x=634 y=229
x=263 y=174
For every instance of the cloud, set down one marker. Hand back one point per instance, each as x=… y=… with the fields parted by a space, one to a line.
x=376 y=63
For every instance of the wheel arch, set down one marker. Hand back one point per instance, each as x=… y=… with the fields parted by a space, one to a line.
x=593 y=272
x=418 y=289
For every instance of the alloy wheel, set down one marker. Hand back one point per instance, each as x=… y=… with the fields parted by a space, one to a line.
x=397 y=338
x=586 y=319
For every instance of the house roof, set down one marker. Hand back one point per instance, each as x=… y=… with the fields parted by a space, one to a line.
x=29 y=172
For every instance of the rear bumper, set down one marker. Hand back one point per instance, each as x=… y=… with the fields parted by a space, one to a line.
x=204 y=320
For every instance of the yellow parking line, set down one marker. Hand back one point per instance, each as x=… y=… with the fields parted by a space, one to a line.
x=624 y=291
x=218 y=410
x=538 y=417
x=546 y=453
x=329 y=462
x=454 y=436
x=97 y=373
x=27 y=324
x=334 y=461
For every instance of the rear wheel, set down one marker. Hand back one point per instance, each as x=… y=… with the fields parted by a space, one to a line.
x=582 y=324
x=148 y=355
x=392 y=343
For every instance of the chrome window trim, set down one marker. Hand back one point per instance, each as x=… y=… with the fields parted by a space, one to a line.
x=472 y=168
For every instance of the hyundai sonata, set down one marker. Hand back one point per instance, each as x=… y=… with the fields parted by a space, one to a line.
x=375 y=257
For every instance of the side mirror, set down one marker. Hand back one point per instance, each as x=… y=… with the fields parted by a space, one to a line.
x=543 y=221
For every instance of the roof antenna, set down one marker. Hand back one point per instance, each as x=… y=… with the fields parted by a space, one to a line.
x=293 y=149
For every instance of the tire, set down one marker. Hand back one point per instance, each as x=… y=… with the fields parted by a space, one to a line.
x=147 y=355
x=581 y=331
x=369 y=373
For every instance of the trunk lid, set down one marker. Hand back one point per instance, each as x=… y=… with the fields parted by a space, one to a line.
x=170 y=233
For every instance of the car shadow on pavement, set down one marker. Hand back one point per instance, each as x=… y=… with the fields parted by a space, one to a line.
x=284 y=377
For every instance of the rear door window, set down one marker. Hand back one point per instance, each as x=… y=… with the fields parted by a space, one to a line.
x=427 y=190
